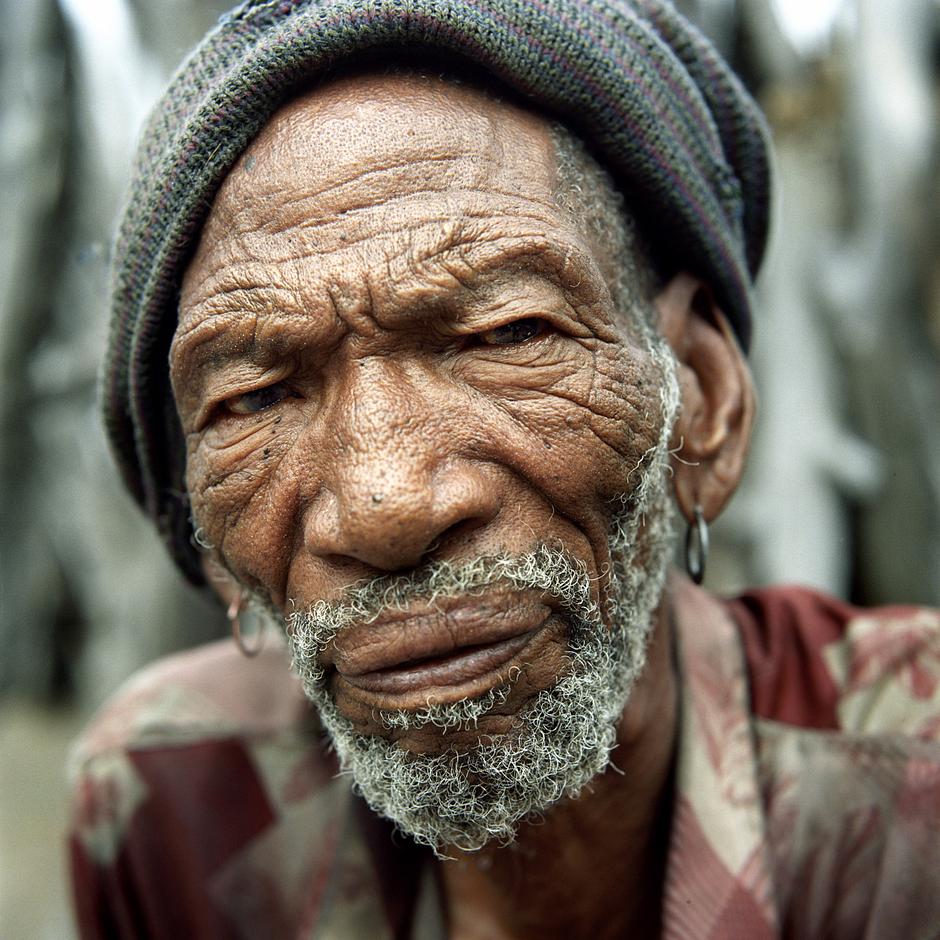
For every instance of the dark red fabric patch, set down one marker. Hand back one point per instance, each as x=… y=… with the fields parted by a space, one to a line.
x=784 y=631
x=205 y=803
x=205 y=797
x=105 y=908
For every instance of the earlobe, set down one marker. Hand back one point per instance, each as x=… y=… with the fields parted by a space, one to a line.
x=223 y=584
x=712 y=433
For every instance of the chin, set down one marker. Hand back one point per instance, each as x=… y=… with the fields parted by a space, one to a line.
x=451 y=781
x=465 y=773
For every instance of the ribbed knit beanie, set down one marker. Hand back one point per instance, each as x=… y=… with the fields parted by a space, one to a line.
x=654 y=100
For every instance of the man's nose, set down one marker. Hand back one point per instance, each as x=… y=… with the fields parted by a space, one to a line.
x=398 y=492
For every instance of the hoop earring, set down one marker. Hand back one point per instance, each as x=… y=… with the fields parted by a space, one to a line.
x=234 y=613
x=696 y=546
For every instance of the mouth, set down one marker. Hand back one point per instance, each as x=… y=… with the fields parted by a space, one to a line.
x=459 y=648
x=463 y=665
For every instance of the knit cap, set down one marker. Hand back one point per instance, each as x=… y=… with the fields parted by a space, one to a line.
x=654 y=100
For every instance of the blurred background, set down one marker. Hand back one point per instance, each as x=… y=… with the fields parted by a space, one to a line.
x=843 y=488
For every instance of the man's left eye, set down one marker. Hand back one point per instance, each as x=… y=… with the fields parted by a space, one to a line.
x=259 y=400
x=513 y=333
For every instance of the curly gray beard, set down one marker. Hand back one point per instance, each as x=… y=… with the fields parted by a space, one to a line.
x=562 y=737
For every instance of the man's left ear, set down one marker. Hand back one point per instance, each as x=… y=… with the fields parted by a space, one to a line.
x=713 y=431
x=225 y=587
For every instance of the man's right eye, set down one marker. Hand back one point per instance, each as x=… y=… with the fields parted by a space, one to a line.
x=260 y=399
x=514 y=332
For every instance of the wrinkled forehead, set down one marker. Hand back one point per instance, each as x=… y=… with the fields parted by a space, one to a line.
x=388 y=133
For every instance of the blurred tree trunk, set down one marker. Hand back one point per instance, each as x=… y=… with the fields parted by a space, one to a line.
x=33 y=163
x=88 y=594
x=878 y=285
x=842 y=491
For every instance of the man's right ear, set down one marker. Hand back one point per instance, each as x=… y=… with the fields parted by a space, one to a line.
x=226 y=588
x=713 y=430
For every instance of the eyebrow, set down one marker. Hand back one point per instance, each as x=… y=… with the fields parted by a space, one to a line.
x=229 y=328
x=533 y=252
x=245 y=331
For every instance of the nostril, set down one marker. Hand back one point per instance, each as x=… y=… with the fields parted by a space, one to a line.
x=348 y=567
x=456 y=533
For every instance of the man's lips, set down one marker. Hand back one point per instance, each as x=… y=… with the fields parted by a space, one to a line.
x=463 y=665
x=451 y=643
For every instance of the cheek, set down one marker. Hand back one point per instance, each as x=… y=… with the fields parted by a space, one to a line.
x=587 y=432
x=230 y=469
x=627 y=414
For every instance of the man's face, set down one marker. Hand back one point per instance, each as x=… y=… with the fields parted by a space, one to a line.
x=398 y=359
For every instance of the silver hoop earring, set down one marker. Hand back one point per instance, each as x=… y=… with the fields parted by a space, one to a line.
x=234 y=614
x=696 y=546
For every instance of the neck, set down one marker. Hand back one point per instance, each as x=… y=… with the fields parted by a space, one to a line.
x=593 y=866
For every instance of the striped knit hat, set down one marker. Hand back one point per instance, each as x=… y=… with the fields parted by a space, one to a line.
x=657 y=103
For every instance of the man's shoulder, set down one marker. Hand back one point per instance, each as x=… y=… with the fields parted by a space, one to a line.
x=210 y=692
x=206 y=772
x=815 y=662
x=846 y=703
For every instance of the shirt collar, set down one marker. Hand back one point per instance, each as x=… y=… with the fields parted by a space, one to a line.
x=718 y=881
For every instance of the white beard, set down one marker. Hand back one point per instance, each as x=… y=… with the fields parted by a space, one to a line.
x=562 y=737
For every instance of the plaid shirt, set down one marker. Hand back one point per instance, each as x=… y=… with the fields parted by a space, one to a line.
x=807 y=799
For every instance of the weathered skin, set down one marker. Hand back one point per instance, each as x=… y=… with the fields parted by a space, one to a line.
x=361 y=264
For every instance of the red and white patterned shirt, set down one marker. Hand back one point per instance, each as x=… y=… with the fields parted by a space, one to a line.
x=807 y=802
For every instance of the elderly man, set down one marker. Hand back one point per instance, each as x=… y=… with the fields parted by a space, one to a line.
x=424 y=314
